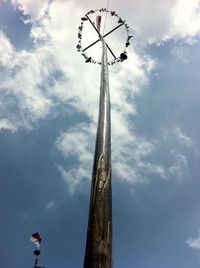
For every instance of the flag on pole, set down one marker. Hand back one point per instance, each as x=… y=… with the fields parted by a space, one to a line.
x=36 y=239
x=98 y=22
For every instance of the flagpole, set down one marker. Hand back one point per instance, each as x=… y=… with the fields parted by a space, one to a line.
x=36 y=253
x=36 y=239
x=36 y=262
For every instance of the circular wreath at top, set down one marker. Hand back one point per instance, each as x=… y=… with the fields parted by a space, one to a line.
x=122 y=56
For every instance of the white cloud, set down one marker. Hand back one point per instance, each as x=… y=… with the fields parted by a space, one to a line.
x=128 y=154
x=180 y=163
x=31 y=77
x=128 y=150
x=76 y=147
x=157 y=21
x=181 y=53
x=194 y=242
x=76 y=142
x=21 y=80
x=154 y=21
x=158 y=169
x=6 y=52
x=50 y=205
x=186 y=19
x=54 y=34
x=74 y=176
x=31 y=81
x=176 y=134
x=131 y=155
x=6 y=124
x=34 y=9
x=182 y=137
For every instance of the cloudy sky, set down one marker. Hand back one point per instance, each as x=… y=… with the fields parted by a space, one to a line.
x=48 y=115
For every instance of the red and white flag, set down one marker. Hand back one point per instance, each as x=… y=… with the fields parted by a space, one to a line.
x=36 y=239
x=98 y=22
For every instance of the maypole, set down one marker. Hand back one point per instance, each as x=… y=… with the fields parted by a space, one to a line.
x=98 y=253
x=99 y=237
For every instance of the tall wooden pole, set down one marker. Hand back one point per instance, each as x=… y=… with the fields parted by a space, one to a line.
x=98 y=252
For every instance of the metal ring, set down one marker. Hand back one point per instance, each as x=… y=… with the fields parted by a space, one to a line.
x=123 y=55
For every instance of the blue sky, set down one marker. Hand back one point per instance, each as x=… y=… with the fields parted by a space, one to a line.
x=48 y=116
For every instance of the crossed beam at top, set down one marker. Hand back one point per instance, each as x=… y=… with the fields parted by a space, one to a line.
x=101 y=37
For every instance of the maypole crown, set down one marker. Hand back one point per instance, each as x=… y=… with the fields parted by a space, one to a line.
x=120 y=23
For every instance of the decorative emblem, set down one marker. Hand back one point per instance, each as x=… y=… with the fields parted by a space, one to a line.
x=120 y=23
